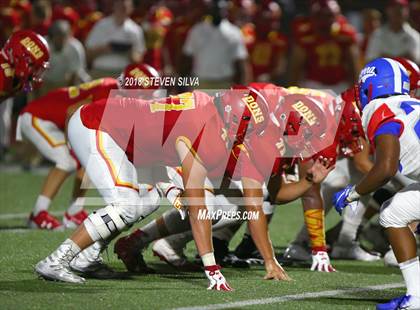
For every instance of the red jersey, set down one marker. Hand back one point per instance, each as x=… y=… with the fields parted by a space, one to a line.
x=149 y=129
x=53 y=106
x=8 y=86
x=325 y=55
x=264 y=53
x=174 y=40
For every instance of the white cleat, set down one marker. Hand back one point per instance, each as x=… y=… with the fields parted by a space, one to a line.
x=54 y=269
x=352 y=251
x=390 y=259
x=88 y=260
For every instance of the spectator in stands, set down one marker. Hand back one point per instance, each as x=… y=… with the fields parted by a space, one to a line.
x=267 y=46
x=371 y=22
x=325 y=54
x=115 y=41
x=41 y=17
x=215 y=52
x=396 y=37
x=67 y=58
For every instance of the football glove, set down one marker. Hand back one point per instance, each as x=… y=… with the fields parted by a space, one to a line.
x=217 y=280
x=344 y=197
x=321 y=262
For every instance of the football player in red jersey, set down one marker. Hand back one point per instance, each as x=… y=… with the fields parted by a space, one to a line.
x=23 y=60
x=268 y=156
x=43 y=123
x=168 y=131
x=346 y=141
x=325 y=55
x=267 y=47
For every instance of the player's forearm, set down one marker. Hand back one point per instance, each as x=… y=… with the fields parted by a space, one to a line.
x=378 y=176
x=200 y=226
x=291 y=191
x=259 y=232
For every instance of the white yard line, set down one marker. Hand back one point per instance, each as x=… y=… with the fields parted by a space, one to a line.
x=280 y=299
x=18 y=216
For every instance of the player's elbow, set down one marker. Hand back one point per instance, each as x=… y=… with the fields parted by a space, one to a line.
x=388 y=170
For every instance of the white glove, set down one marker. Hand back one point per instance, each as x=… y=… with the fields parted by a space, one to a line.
x=217 y=280
x=321 y=262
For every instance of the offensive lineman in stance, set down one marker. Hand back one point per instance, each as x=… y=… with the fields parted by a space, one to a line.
x=111 y=137
x=391 y=119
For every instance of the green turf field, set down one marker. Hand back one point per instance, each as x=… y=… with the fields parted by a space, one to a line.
x=21 y=249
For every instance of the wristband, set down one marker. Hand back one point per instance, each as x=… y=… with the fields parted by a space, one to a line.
x=309 y=177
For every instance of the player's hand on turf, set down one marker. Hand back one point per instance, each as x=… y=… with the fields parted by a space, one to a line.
x=320 y=169
x=275 y=271
x=341 y=198
x=321 y=262
x=217 y=280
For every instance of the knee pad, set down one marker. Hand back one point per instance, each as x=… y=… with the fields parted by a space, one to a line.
x=105 y=223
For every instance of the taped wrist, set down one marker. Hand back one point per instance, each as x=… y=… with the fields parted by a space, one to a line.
x=353 y=195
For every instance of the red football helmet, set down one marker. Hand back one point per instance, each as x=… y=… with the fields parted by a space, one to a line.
x=28 y=53
x=303 y=122
x=350 y=128
x=139 y=76
x=244 y=111
x=413 y=73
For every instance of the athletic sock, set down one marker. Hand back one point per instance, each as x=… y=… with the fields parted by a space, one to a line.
x=351 y=222
x=42 y=204
x=314 y=220
x=76 y=206
x=66 y=252
x=411 y=272
x=149 y=233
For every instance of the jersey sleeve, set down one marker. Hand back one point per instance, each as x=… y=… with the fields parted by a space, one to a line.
x=382 y=115
x=390 y=128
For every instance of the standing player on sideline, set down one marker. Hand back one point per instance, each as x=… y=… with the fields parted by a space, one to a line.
x=23 y=60
x=43 y=123
x=128 y=132
x=391 y=119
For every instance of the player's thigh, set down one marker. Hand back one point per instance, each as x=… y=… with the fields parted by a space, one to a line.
x=105 y=162
x=403 y=208
x=48 y=139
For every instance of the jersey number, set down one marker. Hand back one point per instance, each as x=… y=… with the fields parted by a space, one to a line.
x=408 y=107
x=181 y=102
x=74 y=91
x=329 y=54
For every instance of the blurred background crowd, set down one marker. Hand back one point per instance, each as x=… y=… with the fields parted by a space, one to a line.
x=310 y=43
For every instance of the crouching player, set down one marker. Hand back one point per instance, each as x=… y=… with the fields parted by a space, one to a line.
x=391 y=119
x=194 y=130
x=266 y=151
x=43 y=122
x=23 y=60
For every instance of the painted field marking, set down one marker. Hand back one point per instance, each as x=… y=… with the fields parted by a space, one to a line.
x=285 y=298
